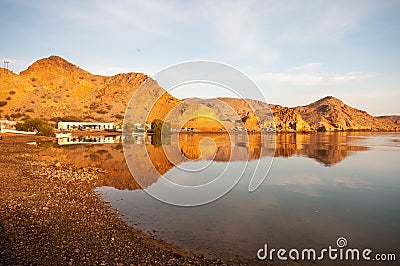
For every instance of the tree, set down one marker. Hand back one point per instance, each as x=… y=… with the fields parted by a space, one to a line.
x=156 y=126
x=156 y=140
x=36 y=124
x=159 y=127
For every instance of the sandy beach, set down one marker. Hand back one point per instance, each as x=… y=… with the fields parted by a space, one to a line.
x=50 y=215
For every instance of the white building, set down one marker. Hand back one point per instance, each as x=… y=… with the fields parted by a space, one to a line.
x=69 y=126
x=6 y=124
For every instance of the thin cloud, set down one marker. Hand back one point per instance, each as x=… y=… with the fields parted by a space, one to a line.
x=310 y=74
x=351 y=76
x=310 y=67
x=291 y=79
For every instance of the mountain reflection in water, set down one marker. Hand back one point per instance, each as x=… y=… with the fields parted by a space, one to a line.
x=320 y=186
x=326 y=148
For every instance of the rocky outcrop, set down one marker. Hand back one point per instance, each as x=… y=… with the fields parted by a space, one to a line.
x=251 y=121
x=288 y=120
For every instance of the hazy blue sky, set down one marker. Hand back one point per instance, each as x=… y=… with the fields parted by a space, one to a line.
x=295 y=51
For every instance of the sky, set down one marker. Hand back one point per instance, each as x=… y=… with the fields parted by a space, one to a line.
x=296 y=52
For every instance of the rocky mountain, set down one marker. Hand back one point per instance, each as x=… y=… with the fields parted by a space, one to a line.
x=331 y=114
x=326 y=114
x=53 y=89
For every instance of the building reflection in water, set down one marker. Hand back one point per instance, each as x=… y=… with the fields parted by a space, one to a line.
x=326 y=148
x=99 y=139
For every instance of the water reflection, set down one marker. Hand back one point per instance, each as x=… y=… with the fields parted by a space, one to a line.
x=326 y=148
x=99 y=139
x=321 y=186
x=314 y=193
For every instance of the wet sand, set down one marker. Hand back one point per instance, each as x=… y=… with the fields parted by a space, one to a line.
x=50 y=215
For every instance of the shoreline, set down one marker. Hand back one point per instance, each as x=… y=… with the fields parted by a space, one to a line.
x=50 y=215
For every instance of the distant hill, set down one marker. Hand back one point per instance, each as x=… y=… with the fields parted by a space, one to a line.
x=393 y=118
x=53 y=88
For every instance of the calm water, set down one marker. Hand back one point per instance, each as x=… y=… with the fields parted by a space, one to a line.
x=320 y=187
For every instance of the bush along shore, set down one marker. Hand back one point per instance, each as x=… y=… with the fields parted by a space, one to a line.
x=50 y=215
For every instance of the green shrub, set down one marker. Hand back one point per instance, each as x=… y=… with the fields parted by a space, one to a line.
x=119 y=117
x=17 y=115
x=56 y=119
x=2 y=103
x=94 y=105
x=159 y=127
x=36 y=124
x=156 y=126
x=156 y=140
x=102 y=112
x=71 y=118
x=11 y=92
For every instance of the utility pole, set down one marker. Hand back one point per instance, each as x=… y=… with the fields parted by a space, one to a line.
x=6 y=65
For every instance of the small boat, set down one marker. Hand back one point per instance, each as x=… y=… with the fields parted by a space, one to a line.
x=18 y=132
x=63 y=135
